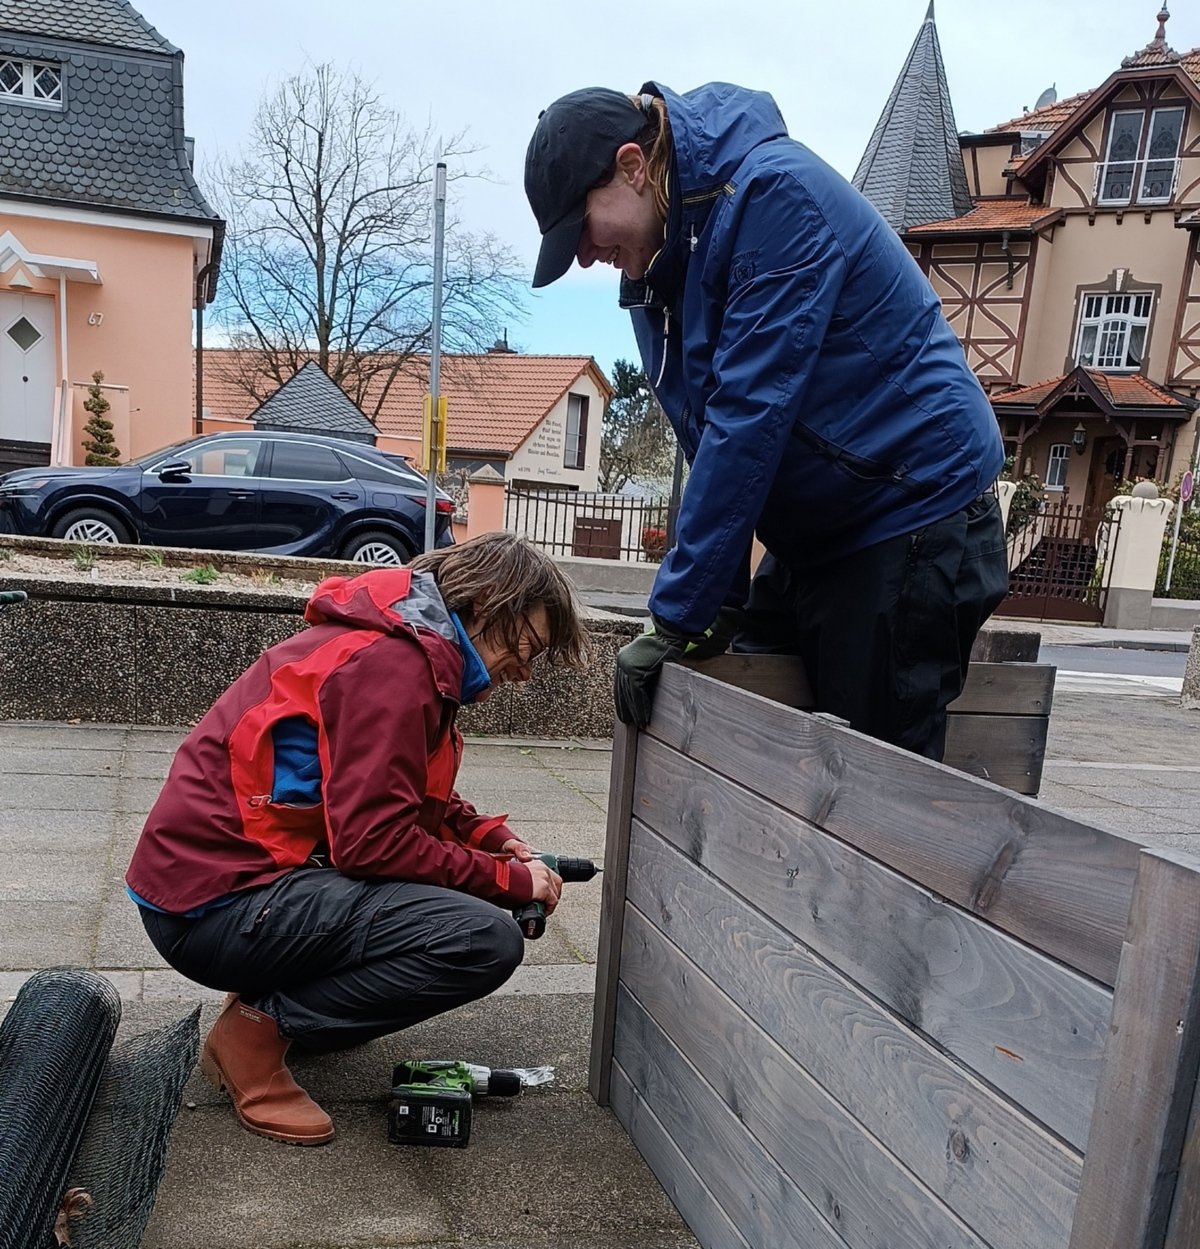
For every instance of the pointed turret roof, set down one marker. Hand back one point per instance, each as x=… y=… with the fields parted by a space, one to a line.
x=912 y=170
x=309 y=402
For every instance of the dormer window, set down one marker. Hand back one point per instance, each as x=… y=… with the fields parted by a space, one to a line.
x=31 y=82
x=1112 y=332
x=1031 y=140
x=1142 y=158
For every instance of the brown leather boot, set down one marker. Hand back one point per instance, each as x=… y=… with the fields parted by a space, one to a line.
x=243 y=1056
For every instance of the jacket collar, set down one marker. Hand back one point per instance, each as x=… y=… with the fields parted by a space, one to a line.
x=475 y=678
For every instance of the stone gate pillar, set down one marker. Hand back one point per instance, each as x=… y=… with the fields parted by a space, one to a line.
x=1133 y=566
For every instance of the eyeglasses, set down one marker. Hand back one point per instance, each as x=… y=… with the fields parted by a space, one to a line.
x=537 y=647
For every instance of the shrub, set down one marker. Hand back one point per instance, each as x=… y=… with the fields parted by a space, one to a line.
x=654 y=543
x=100 y=446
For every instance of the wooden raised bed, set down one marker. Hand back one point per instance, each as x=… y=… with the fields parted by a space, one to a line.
x=847 y=997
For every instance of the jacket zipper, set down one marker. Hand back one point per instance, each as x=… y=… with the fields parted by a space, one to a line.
x=662 y=367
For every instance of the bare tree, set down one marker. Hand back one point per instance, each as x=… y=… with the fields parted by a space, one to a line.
x=636 y=444
x=329 y=251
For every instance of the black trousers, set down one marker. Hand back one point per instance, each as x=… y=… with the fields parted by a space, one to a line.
x=336 y=961
x=886 y=633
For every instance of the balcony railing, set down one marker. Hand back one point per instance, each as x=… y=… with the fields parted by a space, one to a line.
x=1143 y=181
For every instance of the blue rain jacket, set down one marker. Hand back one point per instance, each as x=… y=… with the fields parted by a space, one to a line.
x=802 y=357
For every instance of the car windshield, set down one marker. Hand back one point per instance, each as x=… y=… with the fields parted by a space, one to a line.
x=174 y=451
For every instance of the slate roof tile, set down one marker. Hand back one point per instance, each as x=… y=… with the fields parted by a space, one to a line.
x=308 y=400
x=912 y=170
x=117 y=141
x=114 y=23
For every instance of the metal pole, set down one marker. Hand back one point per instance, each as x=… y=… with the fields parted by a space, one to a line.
x=435 y=349
x=201 y=279
x=676 y=492
x=1195 y=463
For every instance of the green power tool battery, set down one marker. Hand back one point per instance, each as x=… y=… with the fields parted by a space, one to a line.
x=429 y=1116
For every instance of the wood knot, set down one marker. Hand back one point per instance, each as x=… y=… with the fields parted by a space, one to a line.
x=960 y=1149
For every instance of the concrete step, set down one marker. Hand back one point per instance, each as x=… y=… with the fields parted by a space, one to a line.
x=550 y=1168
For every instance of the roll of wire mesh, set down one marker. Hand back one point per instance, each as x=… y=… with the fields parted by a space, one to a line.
x=54 y=1044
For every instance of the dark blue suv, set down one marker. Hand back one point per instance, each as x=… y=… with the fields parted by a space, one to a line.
x=285 y=494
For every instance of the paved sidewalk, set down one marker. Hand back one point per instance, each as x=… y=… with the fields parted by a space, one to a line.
x=551 y=1169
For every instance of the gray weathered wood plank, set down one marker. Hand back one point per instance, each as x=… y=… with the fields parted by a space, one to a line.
x=1146 y=1092
x=1007 y=750
x=819 y=1144
x=989 y=1162
x=1022 y=1021
x=1007 y=689
x=702 y=1212
x=794 y=1155
x=612 y=907
x=1183 y=1231
x=1057 y=883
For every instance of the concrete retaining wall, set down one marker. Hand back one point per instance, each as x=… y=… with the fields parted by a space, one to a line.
x=155 y=654
x=129 y=652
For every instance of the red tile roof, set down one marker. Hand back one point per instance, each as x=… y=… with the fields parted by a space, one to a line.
x=1049 y=117
x=494 y=401
x=1053 y=115
x=1121 y=389
x=997 y=214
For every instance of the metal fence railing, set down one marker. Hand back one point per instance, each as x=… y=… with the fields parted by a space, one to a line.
x=1185 y=571
x=602 y=526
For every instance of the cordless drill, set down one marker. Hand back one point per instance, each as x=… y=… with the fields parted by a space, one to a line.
x=431 y=1100
x=531 y=918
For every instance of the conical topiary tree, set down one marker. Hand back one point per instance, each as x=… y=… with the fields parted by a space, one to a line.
x=100 y=447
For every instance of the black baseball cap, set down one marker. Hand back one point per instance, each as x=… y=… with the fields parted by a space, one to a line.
x=573 y=147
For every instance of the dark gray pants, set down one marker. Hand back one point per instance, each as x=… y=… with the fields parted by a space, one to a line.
x=886 y=633
x=336 y=961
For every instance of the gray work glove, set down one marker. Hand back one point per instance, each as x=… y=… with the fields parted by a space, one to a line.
x=640 y=661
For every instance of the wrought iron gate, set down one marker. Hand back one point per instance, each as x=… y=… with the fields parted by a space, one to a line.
x=1060 y=561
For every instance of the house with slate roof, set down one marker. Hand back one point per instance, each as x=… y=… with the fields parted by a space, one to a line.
x=1065 y=247
x=107 y=243
x=535 y=420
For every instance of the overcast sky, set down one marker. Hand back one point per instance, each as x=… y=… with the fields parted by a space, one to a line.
x=490 y=68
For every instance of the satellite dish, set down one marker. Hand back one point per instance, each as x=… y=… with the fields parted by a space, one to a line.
x=1049 y=96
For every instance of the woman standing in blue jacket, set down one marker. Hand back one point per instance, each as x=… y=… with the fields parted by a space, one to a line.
x=819 y=395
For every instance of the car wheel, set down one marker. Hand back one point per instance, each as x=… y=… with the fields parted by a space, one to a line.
x=90 y=524
x=374 y=546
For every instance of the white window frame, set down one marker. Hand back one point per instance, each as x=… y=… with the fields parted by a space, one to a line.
x=30 y=93
x=1060 y=456
x=575 y=439
x=1113 y=317
x=1139 y=167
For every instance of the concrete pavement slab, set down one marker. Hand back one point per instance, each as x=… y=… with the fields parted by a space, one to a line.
x=16 y=761
x=228 y=1189
x=54 y=791
x=54 y=877
x=40 y=934
x=54 y=734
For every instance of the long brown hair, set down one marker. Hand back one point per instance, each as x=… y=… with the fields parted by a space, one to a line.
x=496 y=579
x=655 y=142
x=654 y=139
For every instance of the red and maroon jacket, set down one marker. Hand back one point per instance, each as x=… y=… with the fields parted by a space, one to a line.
x=374 y=686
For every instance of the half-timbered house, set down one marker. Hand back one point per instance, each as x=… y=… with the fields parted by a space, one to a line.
x=1065 y=246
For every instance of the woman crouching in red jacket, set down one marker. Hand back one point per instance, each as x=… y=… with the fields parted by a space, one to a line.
x=308 y=852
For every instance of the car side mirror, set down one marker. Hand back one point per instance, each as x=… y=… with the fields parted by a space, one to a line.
x=173 y=470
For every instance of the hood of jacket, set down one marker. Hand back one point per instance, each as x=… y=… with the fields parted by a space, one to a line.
x=713 y=128
x=400 y=603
